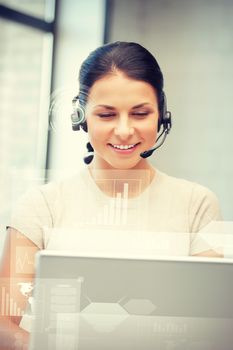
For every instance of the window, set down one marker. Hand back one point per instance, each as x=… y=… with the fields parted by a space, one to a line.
x=26 y=44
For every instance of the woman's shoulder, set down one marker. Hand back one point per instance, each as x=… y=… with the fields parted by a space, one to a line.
x=181 y=184
x=63 y=185
x=192 y=193
x=200 y=203
x=48 y=194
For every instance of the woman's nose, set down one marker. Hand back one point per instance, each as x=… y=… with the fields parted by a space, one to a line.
x=123 y=128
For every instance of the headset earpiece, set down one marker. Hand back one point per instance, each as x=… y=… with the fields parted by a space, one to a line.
x=164 y=115
x=78 y=116
x=167 y=121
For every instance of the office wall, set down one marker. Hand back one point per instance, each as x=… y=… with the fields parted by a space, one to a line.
x=193 y=42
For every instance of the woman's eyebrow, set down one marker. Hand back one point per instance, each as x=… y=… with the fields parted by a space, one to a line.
x=141 y=105
x=112 y=108
x=106 y=106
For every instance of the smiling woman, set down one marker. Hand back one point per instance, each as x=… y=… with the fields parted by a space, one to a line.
x=122 y=106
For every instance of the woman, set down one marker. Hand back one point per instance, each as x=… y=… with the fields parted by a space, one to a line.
x=122 y=106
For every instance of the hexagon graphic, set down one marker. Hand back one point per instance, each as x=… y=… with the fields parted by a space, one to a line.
x=139 y=307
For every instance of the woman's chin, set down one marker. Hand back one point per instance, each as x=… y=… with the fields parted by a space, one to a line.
x=122 y=165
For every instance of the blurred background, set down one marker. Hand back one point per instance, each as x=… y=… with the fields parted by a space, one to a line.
x=42 y=45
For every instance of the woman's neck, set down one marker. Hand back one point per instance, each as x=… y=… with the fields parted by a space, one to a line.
x=112 y=181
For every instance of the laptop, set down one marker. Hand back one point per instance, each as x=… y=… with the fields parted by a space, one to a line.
x=106 y=302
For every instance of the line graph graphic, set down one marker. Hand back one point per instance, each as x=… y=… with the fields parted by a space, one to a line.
x=24 y=261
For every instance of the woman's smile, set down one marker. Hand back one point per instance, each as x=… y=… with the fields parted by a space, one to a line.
x=123 y=149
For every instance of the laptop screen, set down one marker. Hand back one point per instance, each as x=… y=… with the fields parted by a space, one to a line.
x=89 y=303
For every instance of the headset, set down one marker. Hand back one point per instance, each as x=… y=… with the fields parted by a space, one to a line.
x=165 y=122
x=78 y=118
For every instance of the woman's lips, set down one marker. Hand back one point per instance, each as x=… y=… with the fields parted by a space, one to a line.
x=123 y=149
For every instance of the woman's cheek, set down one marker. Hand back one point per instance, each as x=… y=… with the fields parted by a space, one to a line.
x=150 y=133
x=97 y=135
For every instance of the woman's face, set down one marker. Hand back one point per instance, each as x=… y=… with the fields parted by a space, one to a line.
x=122 y=118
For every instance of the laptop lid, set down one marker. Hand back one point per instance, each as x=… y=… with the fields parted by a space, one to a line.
x=103 y=302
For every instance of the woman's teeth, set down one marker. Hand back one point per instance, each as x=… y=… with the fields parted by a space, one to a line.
x=123 y=146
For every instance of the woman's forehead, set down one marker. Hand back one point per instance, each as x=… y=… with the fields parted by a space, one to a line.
x=112 y=89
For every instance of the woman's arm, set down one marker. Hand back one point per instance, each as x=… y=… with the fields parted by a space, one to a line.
x=16 y=273
x=210 y=254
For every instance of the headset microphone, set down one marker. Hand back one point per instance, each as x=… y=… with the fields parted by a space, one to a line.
x=148 y=153
x=167 y=124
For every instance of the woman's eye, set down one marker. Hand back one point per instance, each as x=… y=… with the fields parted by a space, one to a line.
x=140 y=114
x=106 y=115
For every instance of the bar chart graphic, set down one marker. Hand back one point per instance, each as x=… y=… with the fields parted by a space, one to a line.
x=115 y=212
x=122 y=201
x=8 y=305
